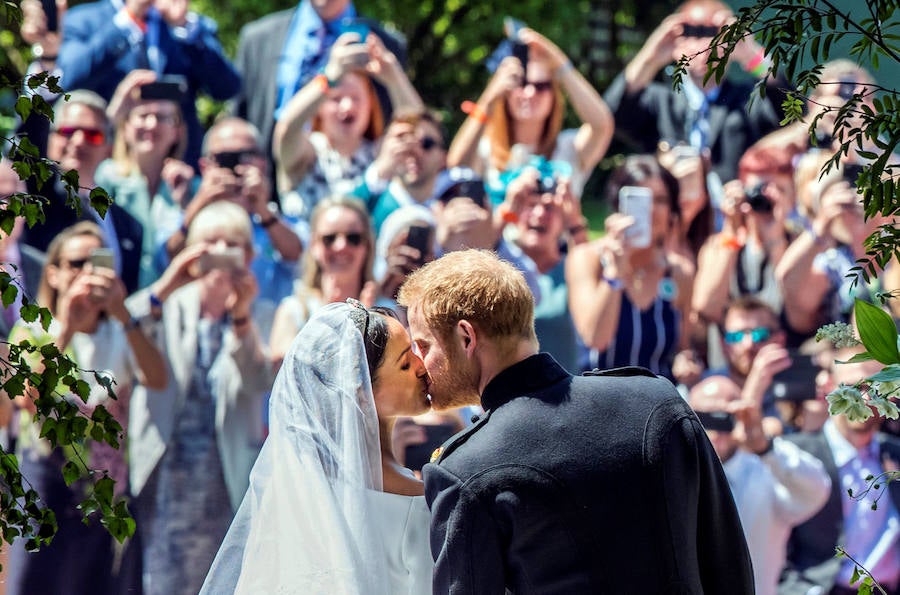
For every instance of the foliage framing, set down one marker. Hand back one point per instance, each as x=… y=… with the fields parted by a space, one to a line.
x=63 y=425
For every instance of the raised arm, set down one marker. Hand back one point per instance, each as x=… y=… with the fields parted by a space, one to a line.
x=596 y=131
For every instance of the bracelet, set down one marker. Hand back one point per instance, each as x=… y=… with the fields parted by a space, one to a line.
x=474 y=111
x=770 y=444
x=576 y=229
x=155 y=302
x=132 y=324
x=615 y=284
x=731 y=242
x=240 y=321
x=507 y=214
x=321 y=81
x=563 y=68
x=268 y=222
x=183 y=229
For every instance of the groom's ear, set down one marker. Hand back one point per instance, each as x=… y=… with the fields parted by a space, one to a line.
x=467 y=337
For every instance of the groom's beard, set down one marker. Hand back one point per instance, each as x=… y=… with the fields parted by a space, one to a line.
x=455 y=385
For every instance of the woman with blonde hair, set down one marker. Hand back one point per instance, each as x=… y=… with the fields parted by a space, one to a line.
x=520 y=114
x=337 y=265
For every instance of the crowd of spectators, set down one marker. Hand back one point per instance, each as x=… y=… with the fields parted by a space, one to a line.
x=722 y=253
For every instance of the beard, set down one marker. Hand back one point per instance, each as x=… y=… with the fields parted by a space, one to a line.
x=454 y=385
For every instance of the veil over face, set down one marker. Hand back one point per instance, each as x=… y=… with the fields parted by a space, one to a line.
x=304 y=525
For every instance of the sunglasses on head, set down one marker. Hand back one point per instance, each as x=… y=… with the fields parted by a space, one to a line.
x=757 y=335
x=353 y=238
x=429 y=142
x=91 y=135
x=540 y=86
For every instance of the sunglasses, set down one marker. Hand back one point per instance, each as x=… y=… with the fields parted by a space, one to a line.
x=429 y=142
x=540 y=86
x=757 y=335
x=353 y=238
x=76 y=264
x=91 y=135
x=699 y=31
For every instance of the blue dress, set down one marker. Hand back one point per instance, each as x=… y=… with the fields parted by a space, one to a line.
x=646 y=338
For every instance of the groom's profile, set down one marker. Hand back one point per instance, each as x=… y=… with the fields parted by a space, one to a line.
x=567 y=484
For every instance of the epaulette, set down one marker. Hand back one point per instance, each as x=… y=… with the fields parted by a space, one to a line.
x=624 y=371
x=454 y=441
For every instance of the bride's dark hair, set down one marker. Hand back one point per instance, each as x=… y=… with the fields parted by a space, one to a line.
x=372 y=324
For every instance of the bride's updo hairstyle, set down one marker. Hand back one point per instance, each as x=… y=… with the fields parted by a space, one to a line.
x=373 y=326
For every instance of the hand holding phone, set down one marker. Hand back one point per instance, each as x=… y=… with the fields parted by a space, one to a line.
x=227 y=259
x=102 y=258
x=419 y=237
x=637 y=202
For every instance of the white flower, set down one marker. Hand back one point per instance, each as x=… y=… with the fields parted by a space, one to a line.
x=849 y=401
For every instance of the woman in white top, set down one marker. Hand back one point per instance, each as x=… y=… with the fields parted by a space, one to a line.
x=329 y=509
x=520 y=114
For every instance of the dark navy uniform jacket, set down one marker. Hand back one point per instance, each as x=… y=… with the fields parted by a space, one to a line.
x=586 y=484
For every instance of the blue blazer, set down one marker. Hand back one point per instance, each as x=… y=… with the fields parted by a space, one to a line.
x=96 y=55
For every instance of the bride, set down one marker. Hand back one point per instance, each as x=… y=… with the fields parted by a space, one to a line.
x=329 y=509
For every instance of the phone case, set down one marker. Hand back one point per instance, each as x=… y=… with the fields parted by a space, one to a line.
x=637 y=202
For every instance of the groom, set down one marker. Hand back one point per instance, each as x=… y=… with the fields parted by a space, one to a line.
x=598 y=484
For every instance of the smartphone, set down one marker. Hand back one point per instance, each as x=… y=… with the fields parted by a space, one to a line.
x=797 y=383
x=512 y=27
x=417 y=455
x=231 y=159
x=52 y=15
x=419 y=237
x=717 y=421
x=355 y=26
x=637 y=202
x=520 y=51
x=102 y=258
x=472 y=189
x=172 y=87
x=229 y=259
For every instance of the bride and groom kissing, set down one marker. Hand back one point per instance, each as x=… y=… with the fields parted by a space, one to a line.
x=602 y=483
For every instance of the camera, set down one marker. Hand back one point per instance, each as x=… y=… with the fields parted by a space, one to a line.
x=758 y=201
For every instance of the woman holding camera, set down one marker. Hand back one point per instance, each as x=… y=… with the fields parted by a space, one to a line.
x=93 y=327
x=347 y=123
x=337 y=266
x=145 y=173
x=629 y=300
x=520 y=114
x=194 y=444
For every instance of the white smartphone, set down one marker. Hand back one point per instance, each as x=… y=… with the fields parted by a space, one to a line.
x=637 y=202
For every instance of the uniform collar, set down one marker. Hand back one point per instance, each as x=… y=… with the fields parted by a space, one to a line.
x=530 y=375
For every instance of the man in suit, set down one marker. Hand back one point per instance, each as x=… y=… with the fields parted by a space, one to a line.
x=707 y=116
x=850 y=451
x=281 y=52
x=104 y=41
x=601 y=484
x=79 y=140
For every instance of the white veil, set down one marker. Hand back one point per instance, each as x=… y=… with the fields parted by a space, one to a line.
x=305 y=523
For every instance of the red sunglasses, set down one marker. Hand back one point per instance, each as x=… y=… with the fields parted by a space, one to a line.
x=92 y=136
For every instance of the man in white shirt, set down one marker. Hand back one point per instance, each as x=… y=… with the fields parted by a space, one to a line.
x=775 y=484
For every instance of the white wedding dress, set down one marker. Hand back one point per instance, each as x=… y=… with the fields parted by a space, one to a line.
x=315 y=519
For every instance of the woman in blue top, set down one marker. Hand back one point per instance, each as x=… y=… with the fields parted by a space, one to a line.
x=630 y=301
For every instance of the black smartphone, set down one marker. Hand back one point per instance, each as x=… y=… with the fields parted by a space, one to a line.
x=231 y=159
x=419 y=237
x=520 y=51
x=167 y=88
x=472 y=189
x=718 y=421
x=797 y=383
x=417 y=455
x=52 y=15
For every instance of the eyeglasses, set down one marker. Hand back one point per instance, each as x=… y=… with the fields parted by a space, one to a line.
x=143 y=118
x=92 y=136
x=353 y=238
x=540 y=86
x=76 y=264
x=699 y=31
x=757 y=335
x=429 y=142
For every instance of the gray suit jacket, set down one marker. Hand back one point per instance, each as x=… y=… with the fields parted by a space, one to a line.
x=240 y=377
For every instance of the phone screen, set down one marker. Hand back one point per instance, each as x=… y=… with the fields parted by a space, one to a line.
x=637 y=202
x=418 y=237
x=102 y=258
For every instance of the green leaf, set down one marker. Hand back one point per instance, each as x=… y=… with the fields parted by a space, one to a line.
x=9 y=295
x=100 y=200
x=855 y=576
x=71 y=472
x=890 y=373
x=877 y=331
x=23 y=107
x=856 y=359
